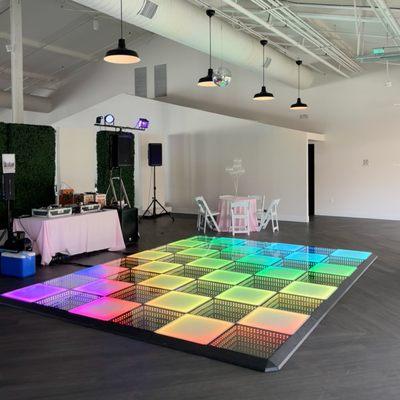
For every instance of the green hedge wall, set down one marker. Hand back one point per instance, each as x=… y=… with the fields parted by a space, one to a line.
x=103 y=167
x=34 y=147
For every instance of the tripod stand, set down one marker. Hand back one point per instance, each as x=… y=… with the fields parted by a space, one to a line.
x=154 y=202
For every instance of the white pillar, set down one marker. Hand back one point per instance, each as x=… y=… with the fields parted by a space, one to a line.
x=17 y=71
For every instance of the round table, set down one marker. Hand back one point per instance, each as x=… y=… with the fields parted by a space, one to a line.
x=224 y=208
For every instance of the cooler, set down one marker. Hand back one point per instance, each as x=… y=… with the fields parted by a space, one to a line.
x=20 y=264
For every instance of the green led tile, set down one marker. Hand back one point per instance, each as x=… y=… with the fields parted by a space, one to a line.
x=210 y=263
x=259 y=260
x=157 y=267
x=226 y=241
x=178 y=301
x=314 y=290
x=333 y=269
x=168 y=282
x=241 y=250
x=194 y=328
x=198 y=252
x=226 y=277
x=289 y=274
x=246 y=295
x=150 y=255
x=186 y=243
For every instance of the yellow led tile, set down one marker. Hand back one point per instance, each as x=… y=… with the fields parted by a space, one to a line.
x=150 y=255
x=246 y=295
x=157 y=267
x=194 y=328
x=306 y=289
x=168 y=282
x=178 y=301
x=274 y=320
x=225 y=277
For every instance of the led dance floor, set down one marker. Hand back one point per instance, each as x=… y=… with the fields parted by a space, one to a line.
x=240 y=301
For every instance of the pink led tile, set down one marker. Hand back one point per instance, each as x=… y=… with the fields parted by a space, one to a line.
x=102 y=271
x=33 y=293
x=105 y=308
x=104 y=287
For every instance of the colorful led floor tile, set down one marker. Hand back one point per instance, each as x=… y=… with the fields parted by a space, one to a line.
x=240 y=251
x=311 y=258
x=150 y=255
x=289 y=274
x=196 y=252
x=157 y=267
x=306 y=289
x=228 y=242
x=259 y=260
x=333 y=269
x=178 y=301
x=30 y=294
x=194 y=328
x=67 y=300
x=284 y=247
x=70 y=281
x=167 y=282
x=185 y=244
x=353 y=254
x=105 y=308
x=210 y=263
x=274 y=320
x=246 y=295
x=104 y=287
x=317 y=250
x=226 y=277
x=102 y=271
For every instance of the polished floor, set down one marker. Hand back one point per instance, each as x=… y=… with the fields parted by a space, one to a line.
x=353 y=354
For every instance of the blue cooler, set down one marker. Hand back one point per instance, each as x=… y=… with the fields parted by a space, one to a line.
x=20 y=264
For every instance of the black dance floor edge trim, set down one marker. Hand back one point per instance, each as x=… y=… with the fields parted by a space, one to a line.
x=274 y=363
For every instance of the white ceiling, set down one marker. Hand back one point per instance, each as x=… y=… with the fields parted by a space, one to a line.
x=59 y=35
x=59 y=39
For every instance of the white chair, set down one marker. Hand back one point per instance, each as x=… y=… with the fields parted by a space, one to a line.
x=260 y=199
x=205 y=216
x=240 y=214
x=271 y=215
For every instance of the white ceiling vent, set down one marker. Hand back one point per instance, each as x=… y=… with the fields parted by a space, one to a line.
x=148 y=9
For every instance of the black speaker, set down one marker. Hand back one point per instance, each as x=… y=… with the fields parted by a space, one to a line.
x=155 y=154
x=128 y=218
x=8 y=187
x=121 y=150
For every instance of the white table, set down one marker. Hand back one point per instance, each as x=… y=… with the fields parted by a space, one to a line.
x=74 y=234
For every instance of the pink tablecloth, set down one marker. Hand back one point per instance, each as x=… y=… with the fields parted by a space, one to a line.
x=224 y=209
x=75 y=234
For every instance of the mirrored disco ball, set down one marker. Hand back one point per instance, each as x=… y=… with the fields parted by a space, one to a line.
x=222 y=77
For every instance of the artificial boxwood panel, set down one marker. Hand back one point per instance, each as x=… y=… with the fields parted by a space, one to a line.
x=34 y=147
x=103 y=167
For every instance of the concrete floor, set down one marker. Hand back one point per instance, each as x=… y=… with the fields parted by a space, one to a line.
x=353 y=354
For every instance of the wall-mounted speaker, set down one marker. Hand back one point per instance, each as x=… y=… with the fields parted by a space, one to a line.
x=155 y=154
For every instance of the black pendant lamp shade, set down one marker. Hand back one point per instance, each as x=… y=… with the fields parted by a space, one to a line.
x=121 y=55
x=299 y=105
x=207 y=81
x=263 y=95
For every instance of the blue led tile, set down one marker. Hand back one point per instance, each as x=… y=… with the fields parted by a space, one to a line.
x=284 y=247
x=358 y=255
x=306 y=257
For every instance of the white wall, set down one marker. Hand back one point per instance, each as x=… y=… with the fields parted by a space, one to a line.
x=197 y=147
x=357 y=115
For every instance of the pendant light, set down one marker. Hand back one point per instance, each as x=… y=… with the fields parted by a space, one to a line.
x=121 y=55
x=263 y=95
x=299 y=105
x=207 y=81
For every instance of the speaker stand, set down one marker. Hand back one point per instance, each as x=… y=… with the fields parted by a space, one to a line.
x=153 y=204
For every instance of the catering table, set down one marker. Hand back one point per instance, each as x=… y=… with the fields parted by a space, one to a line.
x=74 y=234
x=224 y=208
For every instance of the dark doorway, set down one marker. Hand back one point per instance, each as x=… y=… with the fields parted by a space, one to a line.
x=311 y=180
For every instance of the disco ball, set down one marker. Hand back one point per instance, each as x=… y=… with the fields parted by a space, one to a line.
x=222 y=77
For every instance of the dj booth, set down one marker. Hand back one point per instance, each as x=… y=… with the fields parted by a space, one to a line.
x=73 y=234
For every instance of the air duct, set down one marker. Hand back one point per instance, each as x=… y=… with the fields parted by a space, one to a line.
x=182 y=22
x=31 y=103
